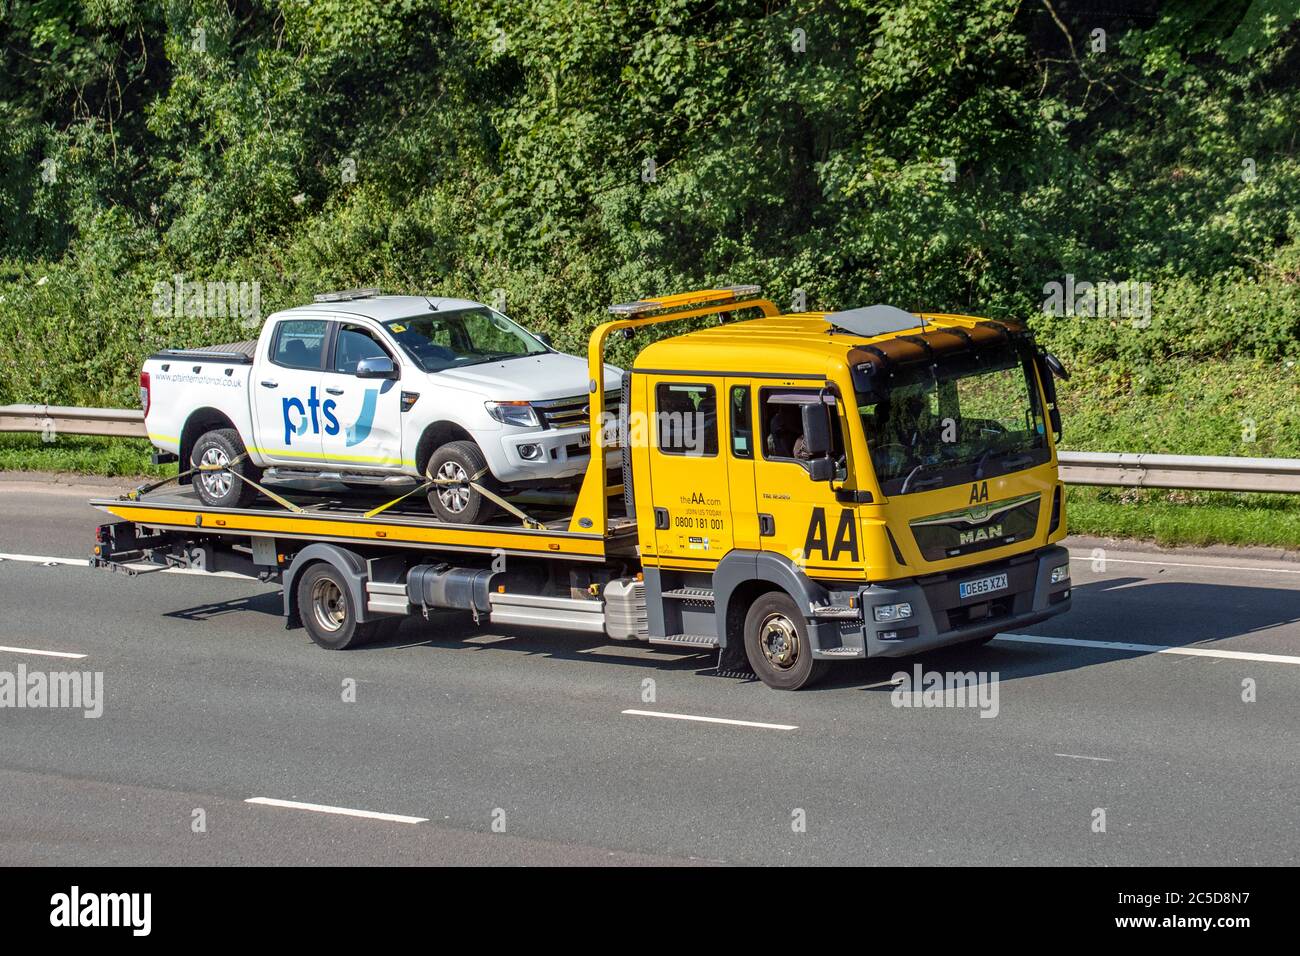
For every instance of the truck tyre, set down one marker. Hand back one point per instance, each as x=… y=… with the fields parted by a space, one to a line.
x=460 y=503
x=326 y=610
x=218 y=489
x=776 y=643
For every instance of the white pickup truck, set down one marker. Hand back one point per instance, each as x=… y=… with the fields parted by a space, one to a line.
x=365 y=389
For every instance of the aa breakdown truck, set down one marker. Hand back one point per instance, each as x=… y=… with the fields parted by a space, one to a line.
x=795 y=489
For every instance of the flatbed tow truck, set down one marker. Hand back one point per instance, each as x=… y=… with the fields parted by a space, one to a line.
x=795 y=490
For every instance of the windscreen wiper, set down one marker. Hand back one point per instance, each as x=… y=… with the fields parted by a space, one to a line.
x=912 y=474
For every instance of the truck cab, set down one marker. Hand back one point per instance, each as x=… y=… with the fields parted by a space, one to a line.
x=892 y=475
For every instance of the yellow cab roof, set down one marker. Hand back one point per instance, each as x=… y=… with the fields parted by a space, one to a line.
x=798 y=343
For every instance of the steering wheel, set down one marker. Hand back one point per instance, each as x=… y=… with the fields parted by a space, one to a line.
x=894 y=455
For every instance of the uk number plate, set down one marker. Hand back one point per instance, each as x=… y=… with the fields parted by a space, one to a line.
x=989 y=585
x=584 y=439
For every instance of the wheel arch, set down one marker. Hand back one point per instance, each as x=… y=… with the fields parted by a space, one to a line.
x=741 y=577
x=200 y=422
x=351 y=567
x=435 y=435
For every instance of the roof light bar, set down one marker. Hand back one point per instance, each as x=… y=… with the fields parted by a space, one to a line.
x=347 y=295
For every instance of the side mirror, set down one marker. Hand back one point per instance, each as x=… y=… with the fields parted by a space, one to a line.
x=821 y=469
x=543 y=338
x=816 y=430
x=378 y=367
x=1055 y=365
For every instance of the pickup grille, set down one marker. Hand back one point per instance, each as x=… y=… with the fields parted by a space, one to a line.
x=568 y=412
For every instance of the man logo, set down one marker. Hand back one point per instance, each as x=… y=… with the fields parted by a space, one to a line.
x=980 y=534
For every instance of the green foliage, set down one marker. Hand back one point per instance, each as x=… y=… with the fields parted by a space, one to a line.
x=948 y=155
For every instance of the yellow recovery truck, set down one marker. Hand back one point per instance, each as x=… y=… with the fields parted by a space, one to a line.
x=795 y=489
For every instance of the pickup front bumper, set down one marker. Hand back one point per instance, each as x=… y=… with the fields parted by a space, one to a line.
x=940 y=615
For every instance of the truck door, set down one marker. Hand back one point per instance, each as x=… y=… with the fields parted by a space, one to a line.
x=688 y=472
x=798 y=517
x=361 y=417
x=286 y=392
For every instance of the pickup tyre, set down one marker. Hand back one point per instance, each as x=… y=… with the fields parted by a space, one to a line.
x=220 y=489
x=460 y=461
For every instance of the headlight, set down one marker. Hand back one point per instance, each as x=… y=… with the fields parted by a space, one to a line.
x=512 y=413
x=1061 y=574
x=891 y=612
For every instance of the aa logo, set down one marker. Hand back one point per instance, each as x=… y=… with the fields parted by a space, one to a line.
x=819 y=542
x=979 y=492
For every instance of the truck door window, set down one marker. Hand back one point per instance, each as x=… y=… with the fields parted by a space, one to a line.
x=782 y=422
x=742 y=423
x=299 y=343
x=354 y=344
x=686 y=419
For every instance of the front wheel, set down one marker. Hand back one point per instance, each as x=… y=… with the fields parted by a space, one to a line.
x=329 y=614
x=453 y=499
x=776 y=643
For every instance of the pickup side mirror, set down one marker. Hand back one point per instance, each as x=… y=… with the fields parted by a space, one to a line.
x=543 y=338
x=816 y=430
x=378 y=367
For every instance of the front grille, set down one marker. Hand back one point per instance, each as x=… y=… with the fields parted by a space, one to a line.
x=978 y=528
x=568 y=412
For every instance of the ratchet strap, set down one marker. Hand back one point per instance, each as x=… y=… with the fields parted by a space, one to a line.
x=474 y=482
x=135 y=494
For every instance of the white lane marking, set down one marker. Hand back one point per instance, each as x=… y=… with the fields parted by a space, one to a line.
x=41 y=559
x=1080 y=556
x=711 y=720
x=32 y=650
x=342 y=811
x=1085 y=757
x=85 y=563
x=1152 y=648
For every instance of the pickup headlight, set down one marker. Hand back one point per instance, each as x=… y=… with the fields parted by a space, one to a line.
x=512 y=413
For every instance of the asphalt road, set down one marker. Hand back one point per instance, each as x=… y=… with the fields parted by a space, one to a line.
x=513 y=746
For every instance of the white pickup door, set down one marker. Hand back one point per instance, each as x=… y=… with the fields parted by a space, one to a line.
x=304 y=414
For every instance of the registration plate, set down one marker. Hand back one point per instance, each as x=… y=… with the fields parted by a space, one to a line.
x=584 y=439
x=995 y=582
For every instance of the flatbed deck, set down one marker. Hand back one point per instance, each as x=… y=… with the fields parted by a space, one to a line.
x=341 y=518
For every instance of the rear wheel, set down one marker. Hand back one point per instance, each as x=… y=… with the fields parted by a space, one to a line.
x=776 y=643
x=329 y=613
x=217 y=487
x=454 y=500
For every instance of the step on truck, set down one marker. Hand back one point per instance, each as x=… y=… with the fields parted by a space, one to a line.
x=794 y=490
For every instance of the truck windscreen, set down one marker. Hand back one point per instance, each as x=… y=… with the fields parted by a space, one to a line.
x=442 y=340
x=965 y=416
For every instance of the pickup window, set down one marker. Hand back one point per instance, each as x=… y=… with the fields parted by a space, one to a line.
x=300 y=343
x=462 y=337
x=354 y=344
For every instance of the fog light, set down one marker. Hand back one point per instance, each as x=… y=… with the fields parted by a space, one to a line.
x=530 y=452
x=1061 y=574
x=891 y=612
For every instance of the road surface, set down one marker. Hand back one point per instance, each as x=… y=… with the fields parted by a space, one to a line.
x=482 y=745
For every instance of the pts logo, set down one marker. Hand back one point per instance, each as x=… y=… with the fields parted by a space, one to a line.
x=298 y=418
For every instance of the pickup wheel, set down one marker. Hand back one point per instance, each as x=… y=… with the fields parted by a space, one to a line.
x=776 y=643
x=327 y=612
x=458 y=503
x=219 y=489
